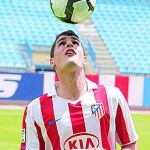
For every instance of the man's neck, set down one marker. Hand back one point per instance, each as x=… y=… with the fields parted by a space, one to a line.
x=72 y=86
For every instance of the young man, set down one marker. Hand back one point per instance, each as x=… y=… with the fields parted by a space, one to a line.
x=76 y=113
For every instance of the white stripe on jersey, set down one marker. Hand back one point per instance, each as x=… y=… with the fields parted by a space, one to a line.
x=61 y=111
x=112 y=103
x=35 y=110
x=91 y=123
x=115 y=97
x=31 y=141
x=127 y=117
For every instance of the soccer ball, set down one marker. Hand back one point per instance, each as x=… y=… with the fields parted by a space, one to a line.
x=72 y=11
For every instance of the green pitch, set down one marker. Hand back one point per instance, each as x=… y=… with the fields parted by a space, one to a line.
x=10 y=129
x=142 y=125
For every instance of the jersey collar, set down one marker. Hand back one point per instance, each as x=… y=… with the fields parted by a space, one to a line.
x=91 y=85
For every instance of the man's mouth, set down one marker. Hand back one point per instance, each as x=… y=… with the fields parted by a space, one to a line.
x=70 y=52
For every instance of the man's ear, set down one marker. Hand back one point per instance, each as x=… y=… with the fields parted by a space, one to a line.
x=52 y=62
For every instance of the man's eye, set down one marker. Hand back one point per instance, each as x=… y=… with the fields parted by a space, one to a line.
x=75 y=42
x=62 y=43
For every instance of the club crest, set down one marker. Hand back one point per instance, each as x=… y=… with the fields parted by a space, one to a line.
x=98 y=110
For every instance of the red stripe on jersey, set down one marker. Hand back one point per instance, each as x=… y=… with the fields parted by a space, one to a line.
x=56 y=77
x=101 y=97
x=122 y=83
x=23 y=144
x=121 y=126
x=77 y=119
x=40 y=137
x=24 y=118
x=49 y=121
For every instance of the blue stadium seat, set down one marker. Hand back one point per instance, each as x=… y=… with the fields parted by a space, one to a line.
x=30 y=20
x=124 y=27
x=11 y=57
x=122 y=24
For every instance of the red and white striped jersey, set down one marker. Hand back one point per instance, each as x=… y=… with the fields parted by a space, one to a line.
x=98 y=119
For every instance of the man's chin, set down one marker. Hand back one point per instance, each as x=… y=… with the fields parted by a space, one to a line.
x=72 y=66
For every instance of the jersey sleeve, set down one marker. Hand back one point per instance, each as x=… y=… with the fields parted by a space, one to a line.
x=29 y=132
x=125 y=131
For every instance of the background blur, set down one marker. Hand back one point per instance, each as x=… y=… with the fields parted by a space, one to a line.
x=117 y=42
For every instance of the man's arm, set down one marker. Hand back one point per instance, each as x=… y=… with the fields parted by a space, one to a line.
x=125 y=132
x=133 y=146
x=30 y=139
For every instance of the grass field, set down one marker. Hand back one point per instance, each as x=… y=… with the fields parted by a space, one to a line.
x=10 y=129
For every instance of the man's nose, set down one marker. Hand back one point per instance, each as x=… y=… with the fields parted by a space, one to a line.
x=70 y=44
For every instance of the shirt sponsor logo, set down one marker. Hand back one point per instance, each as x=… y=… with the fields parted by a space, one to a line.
x=98 y=110
x=81 y=141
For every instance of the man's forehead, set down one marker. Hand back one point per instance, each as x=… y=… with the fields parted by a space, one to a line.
x=64 y=37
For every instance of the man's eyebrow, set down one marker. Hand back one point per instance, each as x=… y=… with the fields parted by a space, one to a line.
x=61 y=39
x=73 y=37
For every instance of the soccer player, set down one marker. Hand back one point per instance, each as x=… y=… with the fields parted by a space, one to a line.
x=76 y=113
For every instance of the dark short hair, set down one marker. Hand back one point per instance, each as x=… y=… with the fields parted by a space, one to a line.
x=68 y=33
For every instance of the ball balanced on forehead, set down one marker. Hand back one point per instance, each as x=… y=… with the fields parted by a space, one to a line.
x=72 y=11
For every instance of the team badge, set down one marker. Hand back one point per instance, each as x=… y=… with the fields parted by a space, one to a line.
x=98 y=110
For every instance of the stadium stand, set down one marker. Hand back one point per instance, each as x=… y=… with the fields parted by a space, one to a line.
x=119 y=35
x=30 y=21
x=102 y=58
x=124 y=27
x=10 y=57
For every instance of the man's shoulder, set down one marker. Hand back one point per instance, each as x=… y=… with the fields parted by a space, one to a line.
x=111 y=91
x=38 y=100
x=114 y=94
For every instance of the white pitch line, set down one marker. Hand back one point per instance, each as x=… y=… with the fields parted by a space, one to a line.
x=14 y=107
x=145 y=112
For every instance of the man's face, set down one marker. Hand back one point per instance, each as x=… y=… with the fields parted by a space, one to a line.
x=68 y=53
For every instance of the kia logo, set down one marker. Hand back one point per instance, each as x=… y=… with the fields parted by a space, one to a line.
x=81 y=141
